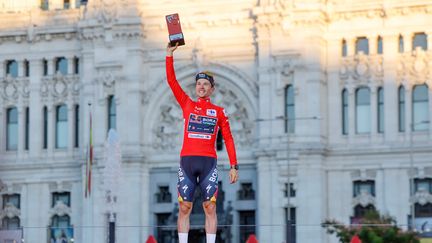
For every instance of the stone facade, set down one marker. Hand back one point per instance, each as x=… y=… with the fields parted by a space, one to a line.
x=255 y=49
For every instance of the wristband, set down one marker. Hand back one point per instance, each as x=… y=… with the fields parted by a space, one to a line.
x=236 y=167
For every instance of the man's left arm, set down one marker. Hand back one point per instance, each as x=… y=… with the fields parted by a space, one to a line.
x=230 y=147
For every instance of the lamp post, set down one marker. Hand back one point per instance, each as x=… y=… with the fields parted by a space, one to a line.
x=412 y=171
x=288 y=189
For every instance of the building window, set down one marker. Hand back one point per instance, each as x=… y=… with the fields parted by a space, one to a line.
x=363 y=110
x=64 y=197
x=219 y=141
x=345 y=120
x=163 y=195
x=76 y=65
x=11 y=223
x=45 y=67
x=27 y=128
x=401 y=108
x=289 y=190
x=360 y=211
x=61 y=65
x=361 y=187
x=112 y=113
x=423 y=185
x=44 y=4
x=45 y=127
x=362 y=45
x=380 y=45
x=60 y=221
x=420 y=40
x=344 y=48
x=164 y=234
x=401 y=44
x=420 y=108
x=26 y=68
x=12 y=129
x=77 y=121
x=12 y=68
x=247 y=219
x=289 y=109
x=12 y=200
x=380 y=111
x=246 y=192
x=423 y=211
x=61 y=126
x=292 y=217
x=66 y=4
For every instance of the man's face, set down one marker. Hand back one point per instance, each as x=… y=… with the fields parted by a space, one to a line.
x=203 y=88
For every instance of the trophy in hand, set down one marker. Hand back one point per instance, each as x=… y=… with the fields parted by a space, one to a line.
x=174 y=30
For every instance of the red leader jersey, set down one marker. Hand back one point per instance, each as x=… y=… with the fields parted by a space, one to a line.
x=202 y=121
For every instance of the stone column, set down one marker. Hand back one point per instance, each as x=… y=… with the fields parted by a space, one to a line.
x=430 y=107
x=51 y=68
x=70 y=64
x=408 y=41
x=373 y=45
x=373 y=110
x=21 y=129
x=408 y=112
x=71 y=122
x=36 y=109
x=351 y=114
x=51 y=129
x=20 y=68
x=351 y=46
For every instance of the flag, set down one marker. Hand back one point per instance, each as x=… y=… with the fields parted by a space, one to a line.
x=89 y=160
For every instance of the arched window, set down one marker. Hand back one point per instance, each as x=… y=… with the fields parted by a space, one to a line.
x=11 y=223
x=289 y=109
x=420 y=40
x=61 y=65
x=12 y=68
x=77 y=121
x=380 y=110
x=45 y=127
x=112 y=113
x=61 y=126
x=344 y=48
x=362 y=44
x=401 y=109
x=420 y=108
x=60 y=221
x=345 y=120
x=360 y=211
x=401 y=44
x=363 y=110
x=380 y=45
x=12 y=128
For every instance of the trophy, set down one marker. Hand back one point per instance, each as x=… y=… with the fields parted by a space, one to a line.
x=174 y=29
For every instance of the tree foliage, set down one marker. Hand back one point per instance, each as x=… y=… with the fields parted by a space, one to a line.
x=373 y=228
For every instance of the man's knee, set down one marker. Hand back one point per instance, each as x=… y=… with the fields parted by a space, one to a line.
x=185 y=208
x=209 y=207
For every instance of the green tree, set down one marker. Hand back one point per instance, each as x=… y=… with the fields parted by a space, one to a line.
x=373 y=228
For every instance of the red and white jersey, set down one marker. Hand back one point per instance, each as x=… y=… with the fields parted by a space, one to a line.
x=202 y=122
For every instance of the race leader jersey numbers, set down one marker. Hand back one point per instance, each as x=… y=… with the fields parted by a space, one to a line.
x=202 y=122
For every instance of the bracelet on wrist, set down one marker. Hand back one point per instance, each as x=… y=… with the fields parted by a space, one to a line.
x=236 y=167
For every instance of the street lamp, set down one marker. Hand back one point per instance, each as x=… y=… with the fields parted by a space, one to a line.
x=412 y=171
x=288 y=189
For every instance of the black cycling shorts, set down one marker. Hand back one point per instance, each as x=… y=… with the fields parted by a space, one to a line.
x=197 y=171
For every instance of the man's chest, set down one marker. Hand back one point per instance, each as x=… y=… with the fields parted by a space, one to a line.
x=201 y=119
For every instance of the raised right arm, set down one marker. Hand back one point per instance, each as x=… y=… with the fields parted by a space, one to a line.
x=177 y=90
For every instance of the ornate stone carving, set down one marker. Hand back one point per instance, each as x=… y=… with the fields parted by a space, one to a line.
x=415 y=66
x=59 y=87
x=167 y=131
x=10 y=211
x=60 y=209
x=14 y=88
x=421 y=197
x=364 y=199
x=361 y=69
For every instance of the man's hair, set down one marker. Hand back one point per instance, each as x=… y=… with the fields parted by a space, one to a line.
x=205 y=75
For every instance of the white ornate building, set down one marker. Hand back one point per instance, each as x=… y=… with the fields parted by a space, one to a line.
x=330 y=104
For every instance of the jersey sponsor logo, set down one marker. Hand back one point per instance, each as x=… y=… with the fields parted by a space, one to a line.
x=180 y=175
x=199 y=136
x=208 y=189
x=201 y=124
x=214 y=175
x=185 y=187
x=224 y=112
x=211 y=112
